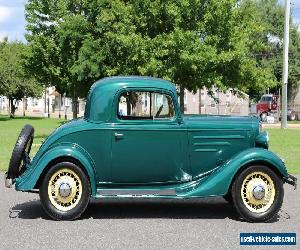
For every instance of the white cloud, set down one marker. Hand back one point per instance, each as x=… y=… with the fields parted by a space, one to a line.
x=5 y=13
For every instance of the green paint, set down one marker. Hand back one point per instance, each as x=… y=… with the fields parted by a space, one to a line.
x=195 y=155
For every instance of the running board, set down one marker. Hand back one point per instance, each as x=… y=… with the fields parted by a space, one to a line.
x=134 y=192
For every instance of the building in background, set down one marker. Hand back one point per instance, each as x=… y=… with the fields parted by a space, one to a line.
x=52 y=101
x=221 y=103
x=226 y=103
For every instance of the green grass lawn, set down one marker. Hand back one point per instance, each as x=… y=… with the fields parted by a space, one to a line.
x=293 y=122
x=10 y=129
x=286 y=143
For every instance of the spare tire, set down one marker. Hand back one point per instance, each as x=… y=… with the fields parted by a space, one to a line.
x=20 y=152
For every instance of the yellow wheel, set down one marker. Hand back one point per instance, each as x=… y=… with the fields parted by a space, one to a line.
x=65 y=191
x=257 y=193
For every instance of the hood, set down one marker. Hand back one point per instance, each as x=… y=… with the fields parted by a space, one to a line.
x=220 y=122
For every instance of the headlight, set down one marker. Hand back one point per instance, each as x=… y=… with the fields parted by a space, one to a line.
x=262 y=140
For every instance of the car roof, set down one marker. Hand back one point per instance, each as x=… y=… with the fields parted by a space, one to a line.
x=102 y=92
x=138 y=81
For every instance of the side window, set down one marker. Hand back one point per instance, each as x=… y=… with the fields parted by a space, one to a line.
x=137 y=105
x=162 y=106
x=134 y=105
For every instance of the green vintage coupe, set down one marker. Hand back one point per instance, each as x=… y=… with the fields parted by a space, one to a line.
x=134 y=142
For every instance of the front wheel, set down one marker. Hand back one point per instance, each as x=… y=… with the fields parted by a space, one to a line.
x=65 y=191
x=257 y=193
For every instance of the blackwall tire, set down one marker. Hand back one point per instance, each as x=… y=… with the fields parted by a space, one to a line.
x=228 y=197
x=244 y=190
x=23 y=145
x=263 y=117
x=292 y=116
x=59 y=204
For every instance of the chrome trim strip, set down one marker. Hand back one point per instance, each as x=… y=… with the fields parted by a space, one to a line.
x=218 y=137
x=131 y=192
x=212 y=144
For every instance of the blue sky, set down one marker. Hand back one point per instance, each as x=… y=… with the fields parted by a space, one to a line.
x=12 y=20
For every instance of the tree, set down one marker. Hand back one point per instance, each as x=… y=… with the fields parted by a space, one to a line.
x=194 y=43
x=267 y=45
x=13 y=83
x=55 y=33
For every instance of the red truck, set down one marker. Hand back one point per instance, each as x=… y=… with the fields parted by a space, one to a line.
x=269 y=104
x=266 y=105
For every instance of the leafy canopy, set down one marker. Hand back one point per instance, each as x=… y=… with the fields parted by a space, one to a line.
x=13 y=82
x=194 y=43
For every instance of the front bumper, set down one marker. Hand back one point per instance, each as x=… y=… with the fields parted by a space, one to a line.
x=8 y=182
x=292 y=180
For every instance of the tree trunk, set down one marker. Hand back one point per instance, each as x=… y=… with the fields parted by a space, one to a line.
x=75 y=107
x=12 y=108
x=24 y=106
x=200 y=101
x=181 y=99
x=45 y=101
x=8 y=109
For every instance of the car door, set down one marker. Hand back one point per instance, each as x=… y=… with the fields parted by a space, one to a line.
x=148 y=142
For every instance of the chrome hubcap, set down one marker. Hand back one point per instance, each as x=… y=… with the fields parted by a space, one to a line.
x=258 y=192
x=65 y=189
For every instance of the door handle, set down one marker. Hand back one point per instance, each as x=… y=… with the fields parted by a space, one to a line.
x=118 y=135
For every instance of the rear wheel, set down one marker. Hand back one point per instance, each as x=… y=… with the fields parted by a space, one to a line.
x=65 y=191
x=257 y=193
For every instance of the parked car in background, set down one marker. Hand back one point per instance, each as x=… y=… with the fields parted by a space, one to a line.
x=133 y=142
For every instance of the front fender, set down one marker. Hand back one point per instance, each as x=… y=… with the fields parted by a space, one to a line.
x=218 y=182
x=29 y=178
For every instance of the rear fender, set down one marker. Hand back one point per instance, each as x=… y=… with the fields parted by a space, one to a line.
x=28 y=180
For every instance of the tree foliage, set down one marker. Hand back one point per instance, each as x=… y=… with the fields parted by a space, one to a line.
x=194 y=43
x=269 y=53
x=13 y=82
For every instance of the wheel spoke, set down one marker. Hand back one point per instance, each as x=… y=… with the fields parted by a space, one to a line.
x=64 y=189
x=258 y=192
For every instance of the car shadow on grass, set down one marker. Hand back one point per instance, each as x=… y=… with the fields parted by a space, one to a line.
x=206 y=208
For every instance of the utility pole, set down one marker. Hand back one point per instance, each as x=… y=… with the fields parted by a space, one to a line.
x=285 y=65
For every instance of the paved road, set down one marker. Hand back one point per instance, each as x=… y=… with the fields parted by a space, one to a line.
x=144 y=224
